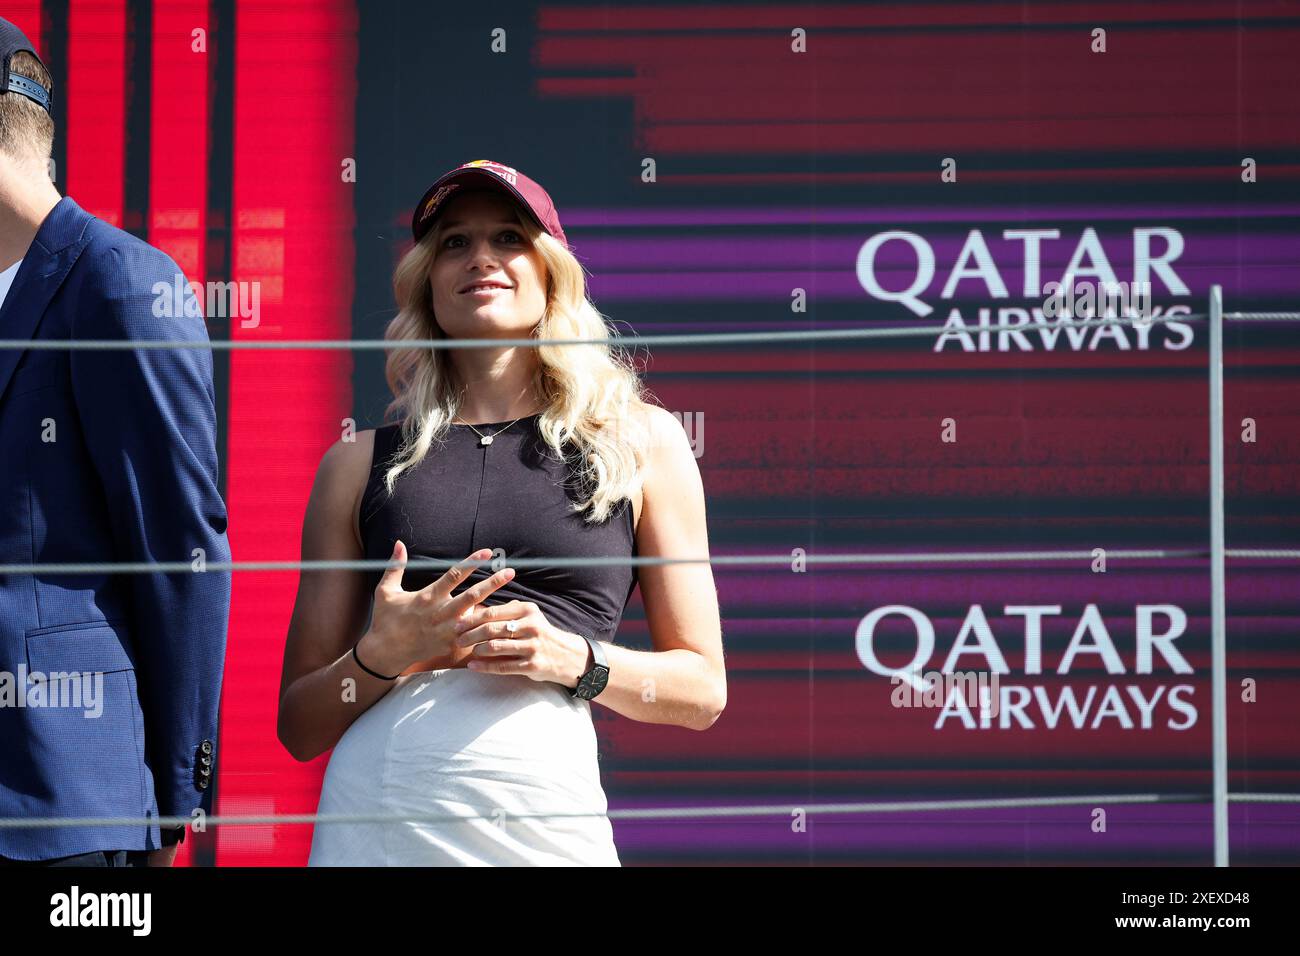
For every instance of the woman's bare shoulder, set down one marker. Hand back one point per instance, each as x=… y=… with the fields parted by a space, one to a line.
x=669 y=464
x=348 y=458
x=664 y=433
x=341 y=479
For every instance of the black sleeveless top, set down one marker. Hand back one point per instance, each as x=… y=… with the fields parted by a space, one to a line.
x=515 y=495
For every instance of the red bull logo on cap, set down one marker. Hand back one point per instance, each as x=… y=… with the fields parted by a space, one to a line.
x=507 y=173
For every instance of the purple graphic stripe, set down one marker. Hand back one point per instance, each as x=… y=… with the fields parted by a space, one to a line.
x=596 y=218
x=1049 y=583
x=841 y=285
x=747 y=254
x=1140 y=832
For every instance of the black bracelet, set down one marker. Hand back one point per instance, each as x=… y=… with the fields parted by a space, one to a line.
x=365 y=668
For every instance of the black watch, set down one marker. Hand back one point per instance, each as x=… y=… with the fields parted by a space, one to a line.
x=170 y=836
x=597 y=676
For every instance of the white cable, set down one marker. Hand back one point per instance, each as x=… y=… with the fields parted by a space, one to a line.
x=652 y=813
x=700 y=338
x=565 y=561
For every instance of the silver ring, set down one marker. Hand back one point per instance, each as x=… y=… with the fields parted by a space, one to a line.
x=511 y=626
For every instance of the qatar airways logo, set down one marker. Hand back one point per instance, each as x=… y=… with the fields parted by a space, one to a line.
x=1091 y=702
x=1089 y=287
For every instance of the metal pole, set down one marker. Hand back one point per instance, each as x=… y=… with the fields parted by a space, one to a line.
x=1218 y=627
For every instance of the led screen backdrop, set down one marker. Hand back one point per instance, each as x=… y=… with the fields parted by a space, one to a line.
x=770 y=167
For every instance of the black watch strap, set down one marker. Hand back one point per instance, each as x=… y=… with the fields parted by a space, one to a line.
x=597 y=676
x=170 y=836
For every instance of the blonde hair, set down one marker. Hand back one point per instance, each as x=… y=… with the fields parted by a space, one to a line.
x=594 y=402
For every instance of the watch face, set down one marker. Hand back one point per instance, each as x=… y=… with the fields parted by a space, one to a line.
x=593 y=682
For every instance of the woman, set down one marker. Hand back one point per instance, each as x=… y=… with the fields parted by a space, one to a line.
x=474 y=708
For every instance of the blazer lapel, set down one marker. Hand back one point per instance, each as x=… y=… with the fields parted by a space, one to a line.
x=57 y=245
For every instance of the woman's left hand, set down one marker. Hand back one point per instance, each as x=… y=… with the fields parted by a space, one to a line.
x=535 y=648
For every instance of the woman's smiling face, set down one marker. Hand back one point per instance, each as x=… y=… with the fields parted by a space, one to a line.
x=487 y=278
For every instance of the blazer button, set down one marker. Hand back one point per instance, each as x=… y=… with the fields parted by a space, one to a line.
x=206 y=747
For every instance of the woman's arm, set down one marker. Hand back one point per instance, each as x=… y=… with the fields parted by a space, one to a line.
x=683 y=681
x=317 y=700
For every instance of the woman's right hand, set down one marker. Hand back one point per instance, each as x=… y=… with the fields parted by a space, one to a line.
x=411 y=626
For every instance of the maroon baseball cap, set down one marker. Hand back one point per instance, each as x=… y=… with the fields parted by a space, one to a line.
x=484 y=173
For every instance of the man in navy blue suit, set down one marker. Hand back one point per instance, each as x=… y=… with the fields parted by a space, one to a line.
x=109 y=682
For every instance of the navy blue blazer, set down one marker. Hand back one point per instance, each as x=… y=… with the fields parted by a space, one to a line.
x=106 y=456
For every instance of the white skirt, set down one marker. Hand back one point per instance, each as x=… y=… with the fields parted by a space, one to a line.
x=512 y=760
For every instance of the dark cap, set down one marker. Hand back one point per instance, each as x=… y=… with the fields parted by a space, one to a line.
x=484 y=173
x=13 y=40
